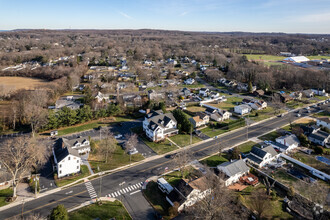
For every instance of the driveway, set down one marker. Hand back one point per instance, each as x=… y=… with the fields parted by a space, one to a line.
x=46 y=179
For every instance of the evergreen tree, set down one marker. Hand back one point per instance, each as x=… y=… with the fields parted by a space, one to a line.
x=59 y=213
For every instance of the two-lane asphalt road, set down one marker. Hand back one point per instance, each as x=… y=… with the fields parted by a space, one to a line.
x=75 y=195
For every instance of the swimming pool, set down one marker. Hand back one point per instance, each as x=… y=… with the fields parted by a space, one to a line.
x=323 y=159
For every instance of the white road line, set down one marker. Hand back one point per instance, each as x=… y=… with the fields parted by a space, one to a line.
x=135 y=192
x=112 y=195
x=118 y=193
x=115 y=194
x=130 y=189
x=124 y=191
x=121 y=191
x=133 y=186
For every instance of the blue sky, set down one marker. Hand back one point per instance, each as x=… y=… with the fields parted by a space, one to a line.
x=290 y=16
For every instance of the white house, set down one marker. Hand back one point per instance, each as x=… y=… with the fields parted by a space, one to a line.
x=204 y=92
x=258 y=105
x=66 y=160
x=261 y=156
x=158 y=125
x=319 y=137
x=189 y=81
x=233 y=171
x=188 y=193
x=100 y=97
x=297 y=59
x=320 y=92
x=221 y=115
x=242 y=109
x=82 y=145
x=324 y=122
x=153 y=95
x=61 y=103
x=286 y=143
x=199 y=120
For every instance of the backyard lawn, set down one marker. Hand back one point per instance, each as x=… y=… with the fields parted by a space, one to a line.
x=215 y=160
x=117 y=159
x=189 y=173
x=5 y=193
x=312 y=161
x=184 y=139
x=264 y=114
x=294 y=104
x=160 y=147
x=108 y=210
x=211 y=132
x=283 y=177
x=196 y=109
x=228 y=105
x=66 y=180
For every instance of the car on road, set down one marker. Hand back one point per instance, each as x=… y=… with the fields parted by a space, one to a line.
x=307 y=108
x=133 y=151
x=281 y=115
x=170 y=156
x=230 y=93
x=298 y=115
x=118 y=136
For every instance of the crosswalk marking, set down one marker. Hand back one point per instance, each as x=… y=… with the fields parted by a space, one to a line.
x=115 y=194
x=128 y=189
x=112 y=195
x=124 y=191
x=133 y=186
x=91 y=190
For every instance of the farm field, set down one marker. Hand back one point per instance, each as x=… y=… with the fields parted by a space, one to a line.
x=12 y=84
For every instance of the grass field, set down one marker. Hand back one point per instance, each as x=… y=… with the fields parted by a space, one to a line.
x=247 y=146
x=312 y=161
x=294 y=104
x=318 y=57
x=184 y=139
x=282 y=176
x=228 y=105
x=16 y=83
x=5 y=193
x=260 y=57
x=196 y=109
x=271 y=136
x=161 y=147
x=211 y=132
x=215 y=160
x=117 y=159
x=66 y=180
x=263 y=114
x=108 y=210
x=322 y=114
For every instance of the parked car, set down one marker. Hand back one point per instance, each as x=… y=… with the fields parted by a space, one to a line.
x=298 y=115
x=133 y=151
x=281 y=115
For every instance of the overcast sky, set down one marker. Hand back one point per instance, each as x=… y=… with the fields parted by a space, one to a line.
x=290 y=16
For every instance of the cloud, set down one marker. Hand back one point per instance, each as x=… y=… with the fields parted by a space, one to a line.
x=312 y=18
x=125 y=15
x=184 y=13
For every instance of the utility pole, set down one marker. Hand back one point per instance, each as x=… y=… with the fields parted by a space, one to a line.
x=36 y=179
x=22 y=207
x=191 y=128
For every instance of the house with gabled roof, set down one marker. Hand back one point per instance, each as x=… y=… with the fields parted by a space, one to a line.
x=323 y=122
x=233 y=170
x=286 y=143
x=199 y=120
x=320 y=137
x=158 y=125
x=242 y=109
x=261 y=156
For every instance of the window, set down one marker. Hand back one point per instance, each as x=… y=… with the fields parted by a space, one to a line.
x=77 y=161
x=60 y=171
x=77 y=167
x=68 y=158
x=60 y=165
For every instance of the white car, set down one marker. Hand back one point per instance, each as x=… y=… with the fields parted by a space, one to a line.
x=307 y=108
x=133 y=151
x=118 y=136
x=298 y=115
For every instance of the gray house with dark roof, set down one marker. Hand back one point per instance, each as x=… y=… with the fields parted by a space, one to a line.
x=158 y=125
x=261 y=156
x=320 y=137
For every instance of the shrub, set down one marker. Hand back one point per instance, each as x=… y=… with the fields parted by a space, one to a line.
x=318 y=150
x=59 y=213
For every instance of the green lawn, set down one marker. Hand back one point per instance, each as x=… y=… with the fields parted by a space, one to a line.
x=321 y=97
x=322 y=114
x=196 y=109
x=5 y=193
x=184 y=139
x=247 y=146
x=160 y=147
x=283 y=177
x=107 y=210
x=193 y=86
x=118 y=158
x=294 y=104
x=264 y=114
x=211 y=132
x=318 y=57
x=88 y=126
x=157 y=199
x=312 y=161
x=228 y=105
x=215 y=160
x=189 y=173
x=270 y=136
x=260 y=57
x=66 y=180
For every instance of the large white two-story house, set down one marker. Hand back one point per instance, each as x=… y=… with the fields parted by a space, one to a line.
x=158 y=125
x=66 y=160
x=261 y=156
x=233 y=171
x=82 y=145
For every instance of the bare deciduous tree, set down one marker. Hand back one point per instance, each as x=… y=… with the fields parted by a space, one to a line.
x=181 y=159
x=130 y=144
x=107 y=145
x=20 y=155
x=259 y=202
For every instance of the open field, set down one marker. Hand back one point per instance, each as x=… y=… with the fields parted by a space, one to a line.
x=228 y=105
x=196 y=109
x=184 y=139
x=5 y=193
x=260 y=57
x=11 y=84
x=108 y=210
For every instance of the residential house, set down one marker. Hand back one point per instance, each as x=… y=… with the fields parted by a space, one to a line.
x=147 y=62
x=204 y=92
x=233 y=171
x=261 y=156
x=323 y=122
x=188 y=193
x=286 y=143
x=132 y=100
x=220 y=115
x=308 y=93
x=82 y=145
x=154 y=96
x=258 y=105
x=242 y=109
x=100 y=97
x=61 y=103
x=320 y=137
x=66 y=160
x=158 y=125
x=259 y=92
x=199 y=120
x=296 y=95
x=186 y=92
x=285 y=97
x=189 y=81
x=214 y=95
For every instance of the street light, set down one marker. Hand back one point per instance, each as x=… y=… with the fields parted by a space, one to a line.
x=36 y=179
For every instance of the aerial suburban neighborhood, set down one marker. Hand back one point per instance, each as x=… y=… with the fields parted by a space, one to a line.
x=162 y=124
